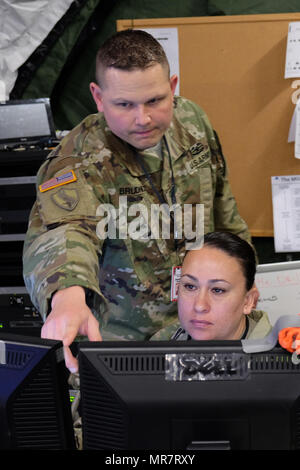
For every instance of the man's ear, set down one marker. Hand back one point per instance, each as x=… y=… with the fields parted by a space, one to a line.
x=173 y=83
x=97 y=95
x=250 y=300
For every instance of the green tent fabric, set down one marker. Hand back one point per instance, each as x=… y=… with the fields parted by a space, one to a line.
x=39 y=75
x=65 y=72
x=250 y=7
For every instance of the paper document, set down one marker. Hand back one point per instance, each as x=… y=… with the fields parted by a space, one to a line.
x=292 y=61
x=286 y=213
x=294 y=131
x=168 y=38
x=297 y=131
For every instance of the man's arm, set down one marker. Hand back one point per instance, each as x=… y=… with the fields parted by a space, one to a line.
x=49 y=267
x=60 y=257
x=61 y=251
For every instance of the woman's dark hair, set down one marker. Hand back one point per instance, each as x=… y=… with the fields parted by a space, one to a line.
x=236 y=247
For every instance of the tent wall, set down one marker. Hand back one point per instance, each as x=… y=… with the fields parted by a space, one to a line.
x=64 y=65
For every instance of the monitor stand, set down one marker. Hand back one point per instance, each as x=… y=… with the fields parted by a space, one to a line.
x=209 y=445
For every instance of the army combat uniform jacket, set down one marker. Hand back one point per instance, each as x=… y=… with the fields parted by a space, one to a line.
x=92 y=178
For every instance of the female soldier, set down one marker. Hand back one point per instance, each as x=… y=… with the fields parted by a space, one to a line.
x=217 y=295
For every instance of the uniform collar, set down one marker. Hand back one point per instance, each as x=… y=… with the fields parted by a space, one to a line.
x=179 y=139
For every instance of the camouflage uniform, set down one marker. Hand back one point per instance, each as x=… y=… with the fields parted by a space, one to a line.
x=62 y=246
x=259 y=326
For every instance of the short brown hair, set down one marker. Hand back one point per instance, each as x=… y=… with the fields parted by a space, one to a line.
x=130 y=49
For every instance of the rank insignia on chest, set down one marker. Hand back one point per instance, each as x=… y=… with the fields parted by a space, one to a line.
x=66 y=178
x=197 y=148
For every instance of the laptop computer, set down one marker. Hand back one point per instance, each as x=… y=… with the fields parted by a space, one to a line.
x=26 y=123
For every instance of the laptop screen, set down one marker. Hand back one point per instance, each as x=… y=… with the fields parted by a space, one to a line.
x=25 y=122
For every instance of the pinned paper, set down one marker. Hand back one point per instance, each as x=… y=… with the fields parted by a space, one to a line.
x=286 y=214
x=292 y=61
x=294 y=132
x=297 y=131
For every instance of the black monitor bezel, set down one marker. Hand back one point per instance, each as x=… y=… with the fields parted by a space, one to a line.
x=89 y=356
x=50 y=365
x=30 y=138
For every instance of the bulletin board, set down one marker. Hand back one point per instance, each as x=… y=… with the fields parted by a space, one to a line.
x=233 y=67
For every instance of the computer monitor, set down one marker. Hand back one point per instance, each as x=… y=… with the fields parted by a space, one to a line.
x=26 y=122
x=188 y=395
x=35 y=408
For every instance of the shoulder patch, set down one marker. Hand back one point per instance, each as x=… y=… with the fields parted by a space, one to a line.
x=58 y=181
x=66 y=198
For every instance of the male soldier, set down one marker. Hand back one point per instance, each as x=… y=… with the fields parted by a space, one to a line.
x=145 y=148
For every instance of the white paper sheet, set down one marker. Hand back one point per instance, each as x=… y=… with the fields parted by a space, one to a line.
x=292 y=61
x=286 y=213
x=297 y=130
x=294 y=131
x=168 y=38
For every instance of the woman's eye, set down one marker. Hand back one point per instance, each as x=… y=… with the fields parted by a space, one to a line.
x=218 y=290
x=189 y=287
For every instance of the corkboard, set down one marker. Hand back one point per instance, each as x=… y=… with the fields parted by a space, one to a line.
x=233 y=67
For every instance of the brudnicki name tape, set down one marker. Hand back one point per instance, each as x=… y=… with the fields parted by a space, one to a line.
x=58 y=181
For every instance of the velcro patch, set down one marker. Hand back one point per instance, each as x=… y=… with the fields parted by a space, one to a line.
x=58 y=181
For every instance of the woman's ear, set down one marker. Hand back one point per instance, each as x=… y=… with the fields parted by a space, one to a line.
x=251 y=300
